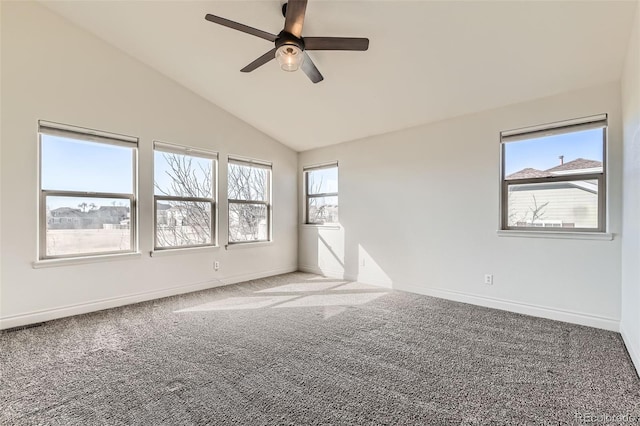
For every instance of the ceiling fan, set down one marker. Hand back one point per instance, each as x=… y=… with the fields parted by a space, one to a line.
x=290 y=47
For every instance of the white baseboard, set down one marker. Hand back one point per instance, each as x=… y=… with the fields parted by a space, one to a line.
x=112 y=302
x=580 y=318
x=633 y=350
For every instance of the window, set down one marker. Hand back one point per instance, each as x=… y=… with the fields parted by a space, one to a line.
x=553 y=176
x=87 y=192
x=249 y=191
x=321 y=194
x=184 y=196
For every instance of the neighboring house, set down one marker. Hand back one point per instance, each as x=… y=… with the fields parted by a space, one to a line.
x=555 y=204
x=65 y=218
x=102 y=217
x=170 y=215
x=162 y=213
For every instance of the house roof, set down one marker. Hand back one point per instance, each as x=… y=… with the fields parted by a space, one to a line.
x=111 y=209
x=528 y=173
x=67 y=210
x=577 y=164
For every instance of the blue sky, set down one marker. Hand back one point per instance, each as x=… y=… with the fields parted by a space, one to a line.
x=73 y=165
x=542 y=153
x=328 y=178
x=163 y=173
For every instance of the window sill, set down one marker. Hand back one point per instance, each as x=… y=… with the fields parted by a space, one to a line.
x=181 y=250
x=51 y=263
x=247 y=245
x=328 y=226
x=557 y=234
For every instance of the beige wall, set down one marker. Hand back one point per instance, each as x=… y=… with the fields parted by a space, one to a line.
x=55 y=71
x=630 y=324
x=419 y=211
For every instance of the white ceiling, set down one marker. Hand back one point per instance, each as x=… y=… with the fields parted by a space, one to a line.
x=427 y=60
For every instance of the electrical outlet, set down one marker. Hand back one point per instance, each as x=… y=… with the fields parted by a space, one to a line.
x=216 y=265
x=488 y=279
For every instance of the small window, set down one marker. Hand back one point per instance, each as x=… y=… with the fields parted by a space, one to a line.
x=321 y=194
x=184 y=196
x=553 y=176
x=249 y=196
x=87 y=192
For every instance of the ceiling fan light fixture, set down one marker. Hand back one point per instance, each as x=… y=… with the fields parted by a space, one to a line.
x=290 y=57
x=290 y=47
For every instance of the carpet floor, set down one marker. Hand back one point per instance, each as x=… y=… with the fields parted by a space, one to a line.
x=301 y=349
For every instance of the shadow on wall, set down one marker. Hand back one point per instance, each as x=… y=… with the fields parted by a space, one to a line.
x=334 y=295
x=324 y=252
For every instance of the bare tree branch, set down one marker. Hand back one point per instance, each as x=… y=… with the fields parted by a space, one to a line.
x=182 y=223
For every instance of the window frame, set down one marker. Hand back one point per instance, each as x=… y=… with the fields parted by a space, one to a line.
x=50 y=128
x=562 y=127
x=213 y=201
x=308 y=196
x=248 y=162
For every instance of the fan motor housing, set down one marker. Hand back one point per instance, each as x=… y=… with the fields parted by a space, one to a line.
x=288 y=38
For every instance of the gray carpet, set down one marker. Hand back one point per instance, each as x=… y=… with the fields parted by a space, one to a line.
x=301 y=349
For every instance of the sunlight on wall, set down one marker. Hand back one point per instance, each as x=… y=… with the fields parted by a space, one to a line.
x=331 y=251
x=370 y=272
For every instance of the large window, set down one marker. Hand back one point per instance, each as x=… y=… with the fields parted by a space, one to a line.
x=553 y=176
x=321 y=194
x=87 y=192
x=249 y=196
x=184 y=196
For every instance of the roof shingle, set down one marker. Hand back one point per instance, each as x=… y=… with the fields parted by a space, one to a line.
x=528 y=173
x=577 y=164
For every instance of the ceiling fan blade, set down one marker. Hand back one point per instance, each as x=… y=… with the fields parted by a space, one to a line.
x=310 y=69
x=240 y=27
x=295 y=17
x=336 y=43
x=260 y=61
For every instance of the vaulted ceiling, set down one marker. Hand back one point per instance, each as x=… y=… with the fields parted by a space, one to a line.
x=427 y=60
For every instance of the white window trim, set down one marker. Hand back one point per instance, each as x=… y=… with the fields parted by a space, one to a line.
x=172 y=251
x=250 y=162
x=194 y=152
x=560 y=127
x=248 y=244
x=569 y=235
x=91 y=135
x=307 y=196
x=332 y=226
x=82 y=260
